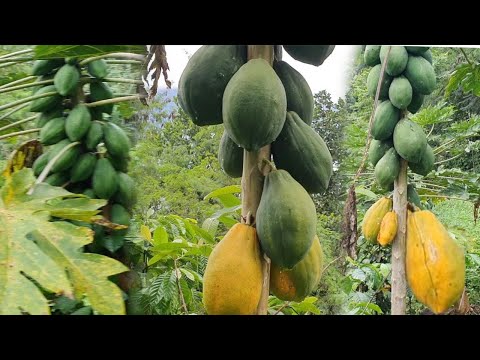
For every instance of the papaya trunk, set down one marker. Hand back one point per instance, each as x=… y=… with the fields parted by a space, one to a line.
x=399 y=281
x=252 y=181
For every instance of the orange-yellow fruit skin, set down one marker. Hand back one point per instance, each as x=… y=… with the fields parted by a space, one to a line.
x=373 y=218
x=232 y=283
x=302 y=279
x=388 y=229
x=435 y=264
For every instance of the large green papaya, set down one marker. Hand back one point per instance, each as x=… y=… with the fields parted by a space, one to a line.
x=286 y=219
x=400 y=92
x=416 y=103
x=104 y=179
x=421 y=75
x=303 y=153
x=94 y=135
x=377 y=149
x=57 y=179
x=254 y=105
x=78 y=122
x=371 y=56
x=397 y=59
x=45 y=117
x=387 y=169
x=46 y=103
x=67 y=159
x=101 y=91
x=126 y=193
x=426 y=163
x=43 y=67
x=309 y=54
x=98 y=68
x=66 y=79
x=83 y=167
x=52 y=132
x=116 y=141
x=120 y=215
x=299 y=94
x=230 y=157
x=384 y=121
x=372 y=82
x=299 y=282
x=40 y=163
x=417 y=50
x=119 y=163
x=428 y=56
x=204 y=79
x=409 y=140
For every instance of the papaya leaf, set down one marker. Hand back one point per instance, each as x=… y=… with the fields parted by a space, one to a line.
x=37 y=254
x=83 y=51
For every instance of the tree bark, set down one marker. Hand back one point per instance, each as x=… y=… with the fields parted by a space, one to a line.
x=252 y=181
x=399 y=281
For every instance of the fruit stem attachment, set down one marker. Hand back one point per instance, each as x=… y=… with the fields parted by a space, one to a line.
x=252 y=180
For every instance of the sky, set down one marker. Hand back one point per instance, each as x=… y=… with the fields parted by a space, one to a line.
x=330 y=76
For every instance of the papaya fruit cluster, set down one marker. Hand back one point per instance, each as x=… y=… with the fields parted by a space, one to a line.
x=408 y=77
x=260 y=104
x=90 y=154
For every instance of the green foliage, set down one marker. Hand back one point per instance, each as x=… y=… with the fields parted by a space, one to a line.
x=83 y=51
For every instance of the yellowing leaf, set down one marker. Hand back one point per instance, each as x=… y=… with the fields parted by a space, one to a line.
x=145 y=232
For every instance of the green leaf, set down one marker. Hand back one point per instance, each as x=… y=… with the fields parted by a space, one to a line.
x=188 y=274
x=210 y=225
x=33 y=247
x=370 y=194
x=227 y=221
x=86 y=310
x=83 y=51
x=232 y=189
x=160 y=236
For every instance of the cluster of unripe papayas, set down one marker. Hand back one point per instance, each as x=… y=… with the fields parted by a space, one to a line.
x=261 y=105
x=89 y=153
x=408 y=77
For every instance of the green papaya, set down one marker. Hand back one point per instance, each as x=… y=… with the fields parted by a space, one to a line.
x=387 y=169
x=384 y=121
x=101 y=91
x=409 y=140
x=119 y=215
x=40 y=163
x=52 y=132
x=113 y=242
x=254 y=105
x=104 y=179
x=71 y=60
x=94 y=135
x=428 y=56
x=43 y=67
x=397 y=59
x=299 y=94
x=377 y=149
x=303 y=153
x=90 y=193
x=57 y=179
x=45 y=117
x=309 y=54
x=68 y=158
x=400 y=92
x=286 y=220
x=421 y=75
x=126 y=193
x=416 y=103
x=119 y=163
x=412 y=196
x=98 y=68
x=230 y=157
x=78 y=122
x=47 y=103
x=426 y=163
x=372 y=82
x=371 y=56
x=204 y=79
x=83 y=168
x=67 y=79
x=96 y=113
x=417 y=50
x=116 y=141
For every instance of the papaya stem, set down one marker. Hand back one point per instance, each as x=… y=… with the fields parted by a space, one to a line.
x=18 y=108
x=23 y=132
x=18 y=123
x=113 y=101
x=19 y=81
x=15 y=60
x=27 y=100
x=15 y=53
x=122 y=55
x=18 y=87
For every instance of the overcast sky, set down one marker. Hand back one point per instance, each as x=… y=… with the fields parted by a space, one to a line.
x=330 y=76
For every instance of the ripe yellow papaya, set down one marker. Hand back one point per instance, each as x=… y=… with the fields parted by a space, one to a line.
x=302 y=279
x=388 y=229
x=232 y=283
x=373 y=218
x=435 y=264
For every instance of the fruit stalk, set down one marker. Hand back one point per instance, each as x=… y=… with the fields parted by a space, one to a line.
x=252 y=181
x=399 y=282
